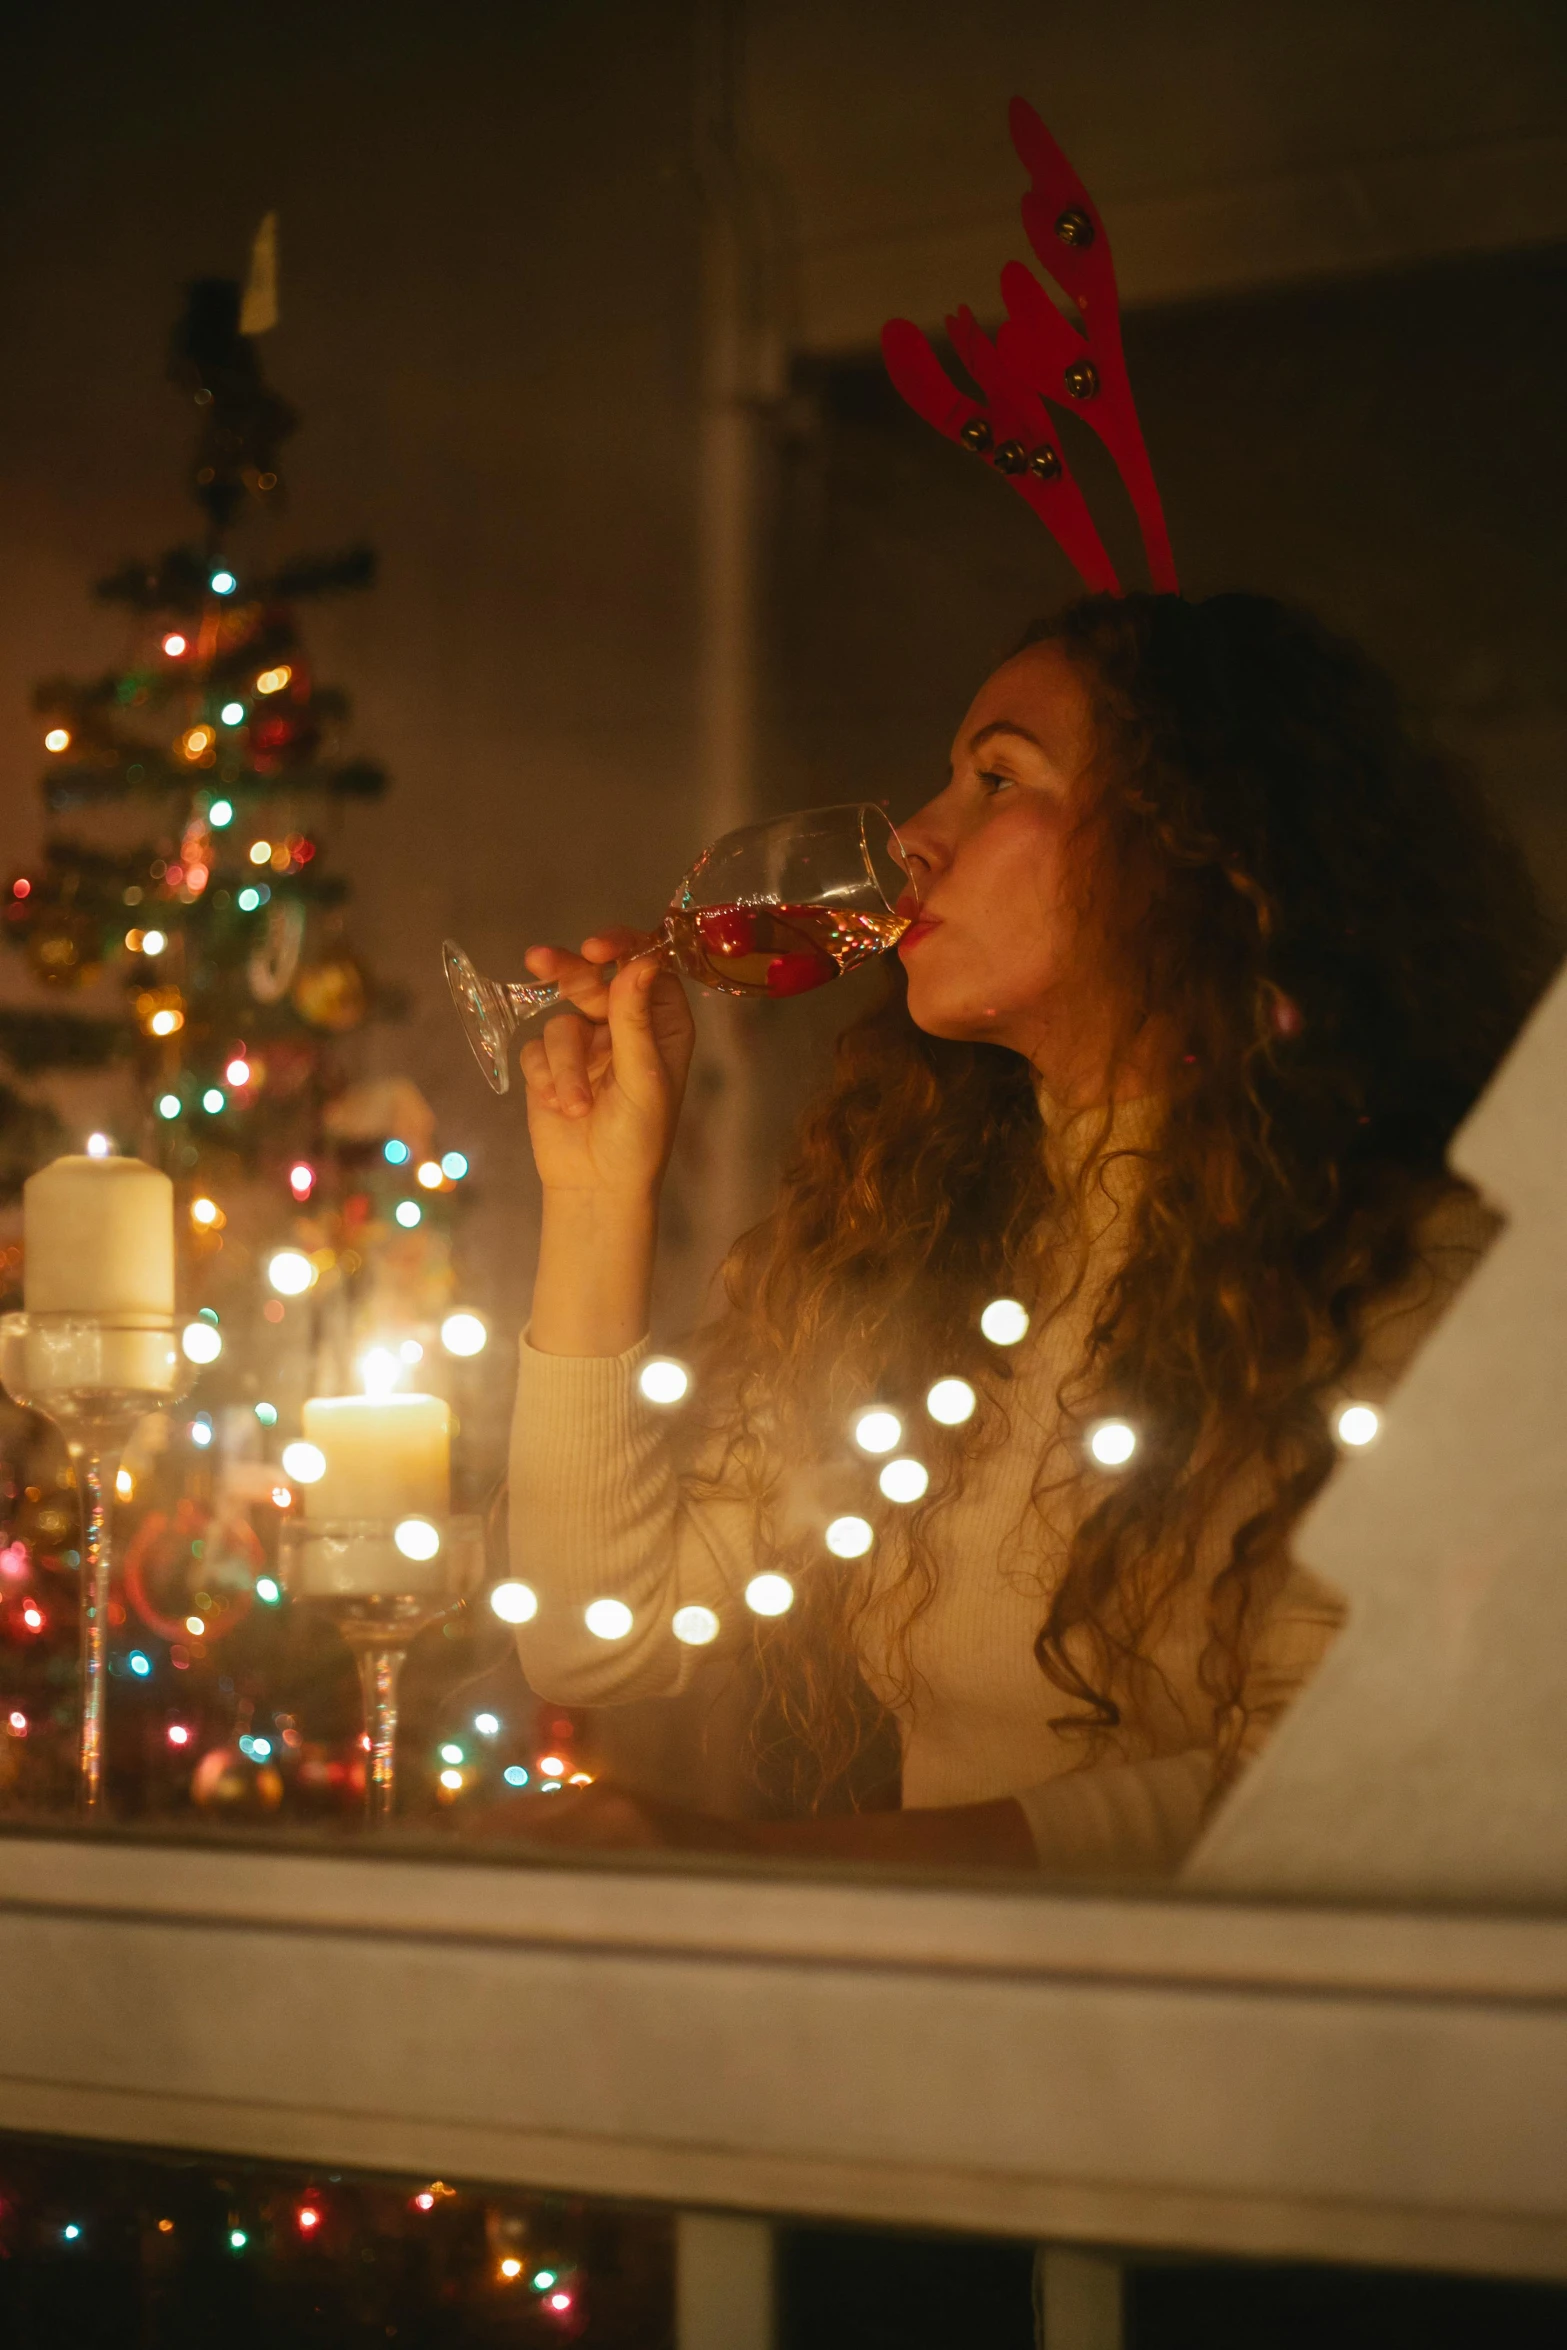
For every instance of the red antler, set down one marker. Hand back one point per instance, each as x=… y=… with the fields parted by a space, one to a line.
x=1039 y=355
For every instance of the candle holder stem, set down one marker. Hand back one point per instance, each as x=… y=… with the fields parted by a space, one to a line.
x=95 y=1464
x=380 y=1670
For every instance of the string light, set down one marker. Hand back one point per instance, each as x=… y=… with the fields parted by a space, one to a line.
x=904 y=1480
x=281 y=1498
x=195 y=1626
x=1004 y=1322
x=23 y=888
x=511 y=2267
x=452 y=1753
x=174 y=644
x=308 y=2216
x=951 y=1401
x=291 y=1273
x=301 y=1180
x=694 y=1626
x=268 y=1590
x=552 y=1766
x=416 y=1538
x=201 y=1343
x=261 y=852
x=272 y=681
x=70 y=2231
x=453 y=1166
x=877 y=1430
x=1113 y=1443
x=167 y=1020
x=153 y=942
x=514 y=1775
x=140 y=1663
x=662 y=1380
x=452 y=1780
x=205 y=1211
x=395 y=1153
x=169 y=1105
x=769 y=1595
x=124 y=1484
x=16 y=1721
x=220 y=815
x=213 y=1100
x=514 y=1603
x=237 y=2239
x=196 y=741
x=408 y=1213
x=607 y=1619
x=305 y=1463
x=238 y=1071
x=487 y=1725
x=57 y=739
x=429 y=1174
x=233 y=713
x=201 y=1432
x=850 y=1537
x=1358 y=1425
x=223 y=583
x=178 y=1734
x=99 y=1146
x=266 y=1413
x=249 y=899
x=33 y=1616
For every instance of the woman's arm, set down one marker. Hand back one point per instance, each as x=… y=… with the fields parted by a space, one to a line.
x=609 y=1818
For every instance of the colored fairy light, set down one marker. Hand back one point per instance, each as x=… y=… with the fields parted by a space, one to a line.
x=487 y=1725
x=424 y=2201
x=464 y=1334
x=178 y=1734
x=514 y=1603
x=223 y=583
x=416 y=1538
x=213 y=1100
x=168 y=1105
x=543 y=2278
x=196 y=741
x=451 y=1752
x=511 y=2267
x=268 y=1590
x=201 y=1433
x=428 y=1174
x=57 y=739
x=204 y=1211
x=237 y=2239
x=282 y=1496
x=1358 y=1424
x=951 y=1402
x=877 y=1430
x=453 y=1166
x=272 y=681
x=202 y=1344
x=607 y=1619
x=904 y=1480
x=70 y=2231
x=769 y=1595
x=395 y=1153
x=849 y=1537
x=16 y=1720
x=662 y=1380
x=694 y=1626
x=301 y=1180
x=261 y=852
x=233 y=714
x=308 y=2219
x=165 y=1021
x=266 y=1413
x=140 y=1663
x=552 y=1766
x=124 y=1484
x=560 y=2301
x=21 y=887
x=291 y=1273
x=33 y=1616
x=195 y=1626
x=99 y=1146
x=514 y=1775
x=174 y=644
x=452 y=1779
x=220 y=815
x=153 y=942
x=408 y=1213
x=1113 y=1443
x=248 y=900
x=238 y=1071
x=305 y=1463
x=1004 y=1321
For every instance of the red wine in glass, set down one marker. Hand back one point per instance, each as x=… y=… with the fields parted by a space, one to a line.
x=772 y=910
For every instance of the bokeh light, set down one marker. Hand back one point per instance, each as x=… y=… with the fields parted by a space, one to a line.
x=607 y=1619
x=850 y=1537
x=694 y=1626
x=878 y=1430
x=662 y=1380
x=769 y=1595
x=514 y=1602
x=1004 y=1322
x=904 y=1480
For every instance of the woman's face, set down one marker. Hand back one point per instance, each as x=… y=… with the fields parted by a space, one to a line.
x=1006 y=949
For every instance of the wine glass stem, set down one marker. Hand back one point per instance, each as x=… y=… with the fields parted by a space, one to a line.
x=379 y=1670
x=93 y=1467
x=525 y=1000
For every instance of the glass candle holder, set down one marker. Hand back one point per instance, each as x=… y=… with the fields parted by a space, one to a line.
x=381 y=1581
x=94 y=1376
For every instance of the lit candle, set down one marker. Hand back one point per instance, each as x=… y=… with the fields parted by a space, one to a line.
x=387 y=1456
x=98 y=1244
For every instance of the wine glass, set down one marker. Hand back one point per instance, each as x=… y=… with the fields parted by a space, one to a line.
x=770 y=910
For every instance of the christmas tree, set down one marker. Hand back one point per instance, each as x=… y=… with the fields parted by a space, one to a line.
x=186 y=894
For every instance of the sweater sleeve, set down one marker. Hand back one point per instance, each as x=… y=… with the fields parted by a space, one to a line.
x=598 y=1512
x=1121 y=1819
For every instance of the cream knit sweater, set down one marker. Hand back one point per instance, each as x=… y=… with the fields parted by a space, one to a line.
x=598 y=1511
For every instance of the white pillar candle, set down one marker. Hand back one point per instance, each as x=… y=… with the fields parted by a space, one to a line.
x=98 y=1238
x=387 y=1456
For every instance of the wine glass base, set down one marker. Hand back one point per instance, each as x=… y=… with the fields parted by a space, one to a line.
x=484 y=1013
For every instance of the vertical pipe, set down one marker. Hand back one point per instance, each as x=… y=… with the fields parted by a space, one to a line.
x=1078 y=2300
x=724 y=2295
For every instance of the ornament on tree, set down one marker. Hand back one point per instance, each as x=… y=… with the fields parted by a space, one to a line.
x=331 y=993
x=235 y=1779
x=273 y=963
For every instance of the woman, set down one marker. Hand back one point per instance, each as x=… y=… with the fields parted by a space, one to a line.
x=1210 y=959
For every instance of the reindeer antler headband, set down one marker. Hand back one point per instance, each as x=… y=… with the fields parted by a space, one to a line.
x=1039 y=355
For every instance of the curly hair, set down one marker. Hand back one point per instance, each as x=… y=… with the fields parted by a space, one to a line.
x=1341 y=943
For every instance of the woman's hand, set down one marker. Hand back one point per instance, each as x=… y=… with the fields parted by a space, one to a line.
x=605 y=1081
x=605 y=1084
x=609 y=1818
